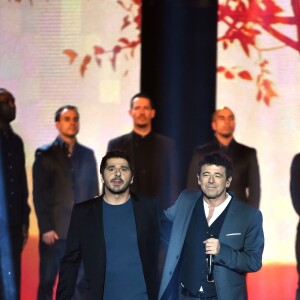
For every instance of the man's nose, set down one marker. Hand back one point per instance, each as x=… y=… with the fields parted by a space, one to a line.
x=211 y=179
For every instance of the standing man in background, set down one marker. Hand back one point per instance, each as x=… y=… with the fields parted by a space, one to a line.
x=295 y=194
x=153 y=155
x=246 y=179
x=64 y=173
x=14 y=208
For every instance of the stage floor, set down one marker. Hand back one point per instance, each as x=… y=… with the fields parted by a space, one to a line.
x=272 y=282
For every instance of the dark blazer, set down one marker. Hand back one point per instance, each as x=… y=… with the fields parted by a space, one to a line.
x=242 y=244
x=57 y=184
x=15 y=182
x=162 y=177
x=86 y=243
x=245 y=178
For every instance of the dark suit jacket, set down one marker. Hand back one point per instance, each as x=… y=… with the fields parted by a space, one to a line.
x=58 y=184
x=245 y=178
x=242 y=244
x=86 y=243
x=295 y=183
x=161 y=180
x=12 y=162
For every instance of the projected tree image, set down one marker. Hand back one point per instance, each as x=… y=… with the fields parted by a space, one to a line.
x=244 y=23
x=124 y=45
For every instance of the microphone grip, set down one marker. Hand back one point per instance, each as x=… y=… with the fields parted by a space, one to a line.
x=210 y=266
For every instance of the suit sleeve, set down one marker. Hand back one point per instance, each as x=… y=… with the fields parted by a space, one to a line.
x=295 y=183
x=167 y=218
x=94 y=177
x=71 y=261
x=192 y=172
x=24 y=195
x=42 y=193
x=254 y=181
x=249 y=258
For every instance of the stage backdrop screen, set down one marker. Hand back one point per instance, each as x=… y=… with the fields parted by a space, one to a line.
x=80 y=52
x=258 y=78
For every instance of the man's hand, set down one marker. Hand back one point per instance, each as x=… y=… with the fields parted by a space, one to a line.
x=212 y=246
x=50 y=237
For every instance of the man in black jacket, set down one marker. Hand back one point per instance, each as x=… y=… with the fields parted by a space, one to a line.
x=295 y=194
x=153 y=155
x=64 y=173
x=116 y=236
x=14 y=209
x=246 y=183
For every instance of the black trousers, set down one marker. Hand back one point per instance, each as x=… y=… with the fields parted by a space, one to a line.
x=11 y=244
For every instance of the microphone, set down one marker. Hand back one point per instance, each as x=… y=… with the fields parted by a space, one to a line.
x=210 y=266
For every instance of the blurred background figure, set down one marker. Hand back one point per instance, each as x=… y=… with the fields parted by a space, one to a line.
x=295 y=194
x=64 y=173
x=153 y=155
x=246 y=179
x=14 y=208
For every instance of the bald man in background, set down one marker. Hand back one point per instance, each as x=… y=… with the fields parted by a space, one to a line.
x=246 y=183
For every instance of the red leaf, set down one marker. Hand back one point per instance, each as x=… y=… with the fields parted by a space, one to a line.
x=122 y=4
x=115 y=50
x=124 y=40
x=98 y=61
x=228 y=75
x=71 y=54
x=126 y=22
x=98 y=50
x=245 y=75
x=221 y=69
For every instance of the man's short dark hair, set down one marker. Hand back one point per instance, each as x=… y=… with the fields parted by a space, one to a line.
x=216 y=158
x=8 y=93
x=115 y=154
x=62 y=108
x=140 y=95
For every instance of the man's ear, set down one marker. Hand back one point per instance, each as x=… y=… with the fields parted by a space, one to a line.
x=213 y=126
x=153 y=113
x=131 y=180
x=228 y=181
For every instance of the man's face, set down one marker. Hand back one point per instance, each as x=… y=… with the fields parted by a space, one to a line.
x=117 y=175
x=68 y=124
x=142 y=112
x=7 y=108
x=213 y=182
x=224 y=123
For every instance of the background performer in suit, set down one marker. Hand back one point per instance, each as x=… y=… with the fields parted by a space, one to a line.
x=14 y=208
x=116 y=236
x=295 y=193
x=237 y=243
x=153 y=155
x=246 y=179
x=64 y=173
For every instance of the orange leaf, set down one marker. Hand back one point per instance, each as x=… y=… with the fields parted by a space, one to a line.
x=85 y=62
x=71 y=54
x=245 y=75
